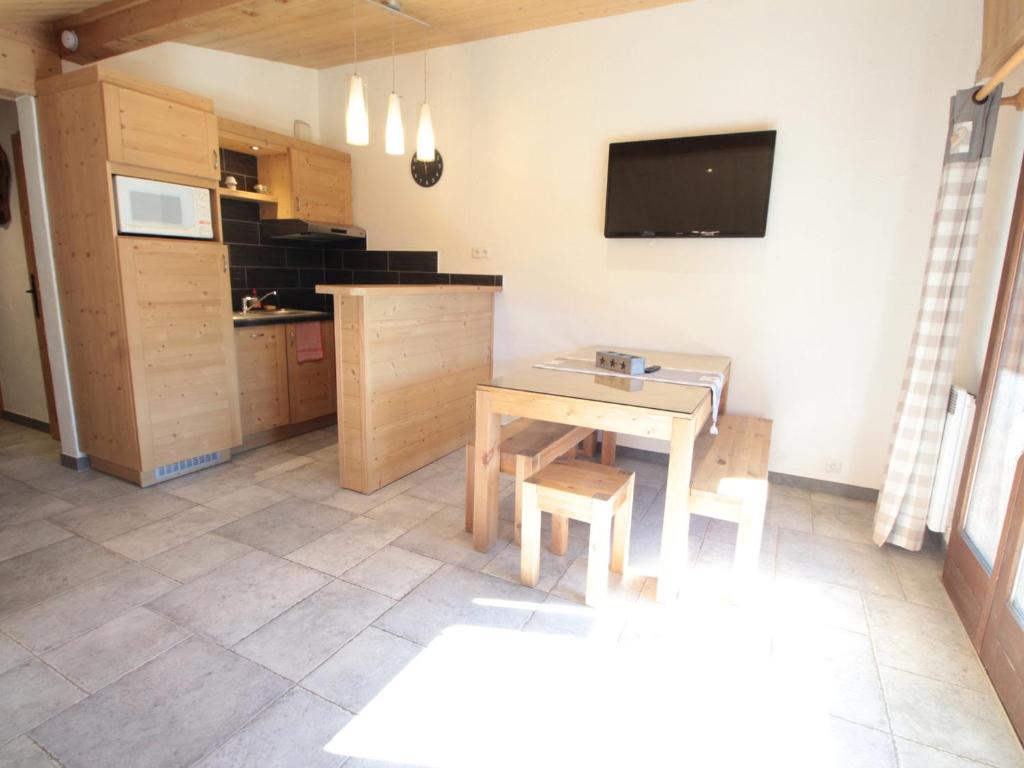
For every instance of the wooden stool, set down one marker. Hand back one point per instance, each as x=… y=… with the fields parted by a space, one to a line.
x=526 y=447
x=591 y=493
x=730 y=482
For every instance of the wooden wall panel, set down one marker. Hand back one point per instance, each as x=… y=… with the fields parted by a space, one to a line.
x=23 y=60
x=1002 y=34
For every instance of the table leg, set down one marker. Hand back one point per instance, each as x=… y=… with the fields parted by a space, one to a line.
x=608 y=442
x=675 y=528
x=485 y=474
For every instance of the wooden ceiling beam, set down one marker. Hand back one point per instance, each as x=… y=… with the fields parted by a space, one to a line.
x=26 y=56
x=119 y=26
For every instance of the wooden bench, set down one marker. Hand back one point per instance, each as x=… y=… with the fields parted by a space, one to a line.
x=730 y=482
x=527 y=446
x=596 y=494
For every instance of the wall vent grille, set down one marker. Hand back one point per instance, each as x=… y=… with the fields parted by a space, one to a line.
x=180 y=467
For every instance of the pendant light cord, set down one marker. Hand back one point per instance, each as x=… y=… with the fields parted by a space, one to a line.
x=392 y=54
x=424 y=77
x=355 y=39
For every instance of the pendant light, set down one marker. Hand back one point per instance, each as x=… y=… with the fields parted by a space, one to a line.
x=394 y=131
x=357 y=121
x=425 y=145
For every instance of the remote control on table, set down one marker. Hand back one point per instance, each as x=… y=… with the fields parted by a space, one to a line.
x=652 y=368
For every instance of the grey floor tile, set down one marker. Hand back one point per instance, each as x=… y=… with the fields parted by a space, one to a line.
x=404 y=511
x=843 y=521
x=168 y=533
x=800 y=602
x=928 y=641
x=240 y=596
x=443 y=537
x=31 y=578
x=30 y=694
x=28 y=537
x=47 y=625
x=848 y=564
x=347 y=546
x=197 y=557
x=11 y=654
x=202 y=487
x=361 y=503
x=24 y=753
x=506 y=564
x=456 y=596
x=913 y=755
x=447 y=487
x=25 y=509
x=360 y=670
x=106 y=653
x=790 y=512
x=857 y=746
x=950 y=718
x=306 y=634
x=285 y=526
x=101 y=521
x=193 y=697
x=392 y=571
x=838 y=669
x=920 y=575
x=294 y=731
x=245 y=501
x=313 y=481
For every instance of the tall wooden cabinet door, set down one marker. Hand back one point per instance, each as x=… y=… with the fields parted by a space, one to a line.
x=321 y=186
x=160 y=134
x=262 y=377
x=182 y=347
x=311 y=385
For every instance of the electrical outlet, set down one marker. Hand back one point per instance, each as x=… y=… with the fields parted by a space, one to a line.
x=834 y=467
x=479 y=253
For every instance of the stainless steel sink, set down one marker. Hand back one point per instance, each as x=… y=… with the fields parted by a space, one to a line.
x=256 y=315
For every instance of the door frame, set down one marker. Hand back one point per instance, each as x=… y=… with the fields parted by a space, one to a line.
x=18 y=161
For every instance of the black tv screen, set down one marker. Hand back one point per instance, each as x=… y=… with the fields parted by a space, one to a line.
x=698 y=186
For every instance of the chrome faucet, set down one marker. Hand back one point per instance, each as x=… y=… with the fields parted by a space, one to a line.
x=251 y=302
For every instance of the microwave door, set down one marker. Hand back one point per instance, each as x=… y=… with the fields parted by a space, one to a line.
x=147 y=207
x=161 y=212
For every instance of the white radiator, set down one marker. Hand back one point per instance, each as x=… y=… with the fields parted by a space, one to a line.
x=955 y=433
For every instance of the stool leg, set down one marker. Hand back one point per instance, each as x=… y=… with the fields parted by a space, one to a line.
x=620 y=529
x=589 y=445
x=597 y=557
x=608 y=443
x=529 y=559
x=522 y=472
x=748 y=537
x=559 y=534
x=470 y=467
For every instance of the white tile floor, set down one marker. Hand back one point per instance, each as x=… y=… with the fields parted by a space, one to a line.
x=255 y=615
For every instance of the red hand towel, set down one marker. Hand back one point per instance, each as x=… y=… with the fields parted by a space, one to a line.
x=309 y=343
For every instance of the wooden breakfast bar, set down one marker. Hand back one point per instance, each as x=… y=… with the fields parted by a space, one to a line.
x=409 y=358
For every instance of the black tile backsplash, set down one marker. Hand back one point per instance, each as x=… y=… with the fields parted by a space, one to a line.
x=293 y=270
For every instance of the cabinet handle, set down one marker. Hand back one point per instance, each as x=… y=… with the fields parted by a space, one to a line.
x=216 y=160
x=255 y=335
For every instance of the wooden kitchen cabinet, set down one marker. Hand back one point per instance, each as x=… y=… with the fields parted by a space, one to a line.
x=313 y=184
x=160 y=133
x=275 y=389
x=311 y=388
x=262 y=377
x=177 y=304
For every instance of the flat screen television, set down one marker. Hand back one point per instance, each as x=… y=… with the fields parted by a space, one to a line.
x=696 y=186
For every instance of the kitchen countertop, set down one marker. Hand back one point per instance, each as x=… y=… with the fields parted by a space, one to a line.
x=402 y=290
x=263 y=317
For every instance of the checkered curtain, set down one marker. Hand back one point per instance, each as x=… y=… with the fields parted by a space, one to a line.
x=903 y=501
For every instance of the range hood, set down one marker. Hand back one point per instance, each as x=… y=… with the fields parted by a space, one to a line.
x=309 y=231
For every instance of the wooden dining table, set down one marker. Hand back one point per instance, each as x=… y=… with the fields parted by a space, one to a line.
x=629 y=406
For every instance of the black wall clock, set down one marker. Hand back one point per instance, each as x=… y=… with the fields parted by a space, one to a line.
x=427 y=174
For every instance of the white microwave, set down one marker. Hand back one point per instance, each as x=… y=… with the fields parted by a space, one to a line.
x=147 y=207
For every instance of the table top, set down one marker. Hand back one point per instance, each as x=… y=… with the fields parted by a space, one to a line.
x=662 y=396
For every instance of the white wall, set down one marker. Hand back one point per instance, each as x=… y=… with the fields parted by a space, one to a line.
x=256 y=91
x=817 y=316
x=21 y=372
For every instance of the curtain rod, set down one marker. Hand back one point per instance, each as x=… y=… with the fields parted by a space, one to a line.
x=1001 y=74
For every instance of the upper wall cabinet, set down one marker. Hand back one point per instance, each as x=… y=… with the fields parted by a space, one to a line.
x=1002 y=34
x=161 y=134
x=310 y=185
